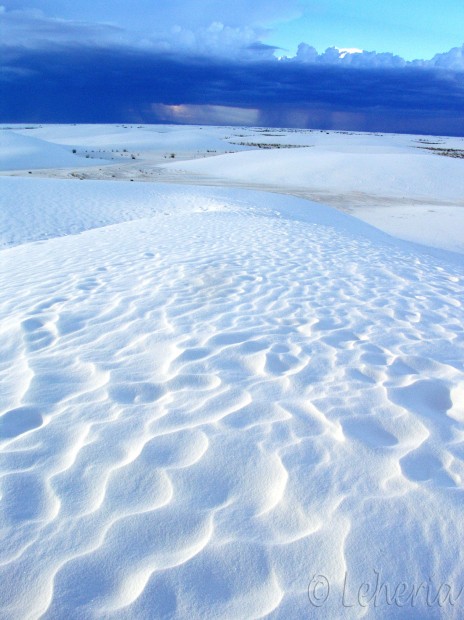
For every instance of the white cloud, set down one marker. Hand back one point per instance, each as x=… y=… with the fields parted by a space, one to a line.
x=203 y=23
x=215 y=29
x=348 y=50
x=34 y=29
x=345 y=56
x=215 y=40
x=452 y=60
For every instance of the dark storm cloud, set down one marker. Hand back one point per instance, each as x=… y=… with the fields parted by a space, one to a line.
x=86 y=84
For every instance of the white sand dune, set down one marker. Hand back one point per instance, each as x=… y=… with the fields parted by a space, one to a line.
x=139 y=137
x=149 y=144
x=392 y=182
x=25 y=152
x=211 y=395
x=33 y=209
x=391 y=172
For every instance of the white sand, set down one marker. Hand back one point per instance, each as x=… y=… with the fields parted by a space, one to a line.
x=210 y=395
x=29 y=152
x=390 y=181
x=365 y=175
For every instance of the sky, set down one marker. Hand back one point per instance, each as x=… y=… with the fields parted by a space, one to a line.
x=265 y=62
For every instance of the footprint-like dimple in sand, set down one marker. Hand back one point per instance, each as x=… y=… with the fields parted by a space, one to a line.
x=70 y=322
x=32 y=324
x=88 y=284
x=425 y=397
x=373 y=355
x=368 y=432
x=19 y=421
x=278 y=364
x=180 y=449
x=37 y=334
x=422 y=465
x=194 y=354
x=46 y=305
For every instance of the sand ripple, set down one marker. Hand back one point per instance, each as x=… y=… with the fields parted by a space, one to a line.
x=203 y=410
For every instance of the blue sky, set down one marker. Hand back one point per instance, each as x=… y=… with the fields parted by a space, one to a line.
x=409 y=28
x=262 y=62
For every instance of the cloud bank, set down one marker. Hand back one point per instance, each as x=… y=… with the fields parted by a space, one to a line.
x=70 y=71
